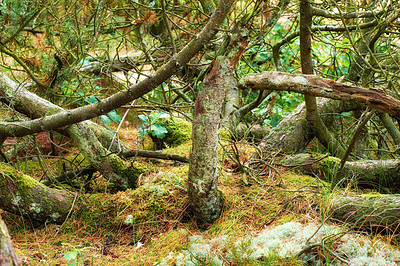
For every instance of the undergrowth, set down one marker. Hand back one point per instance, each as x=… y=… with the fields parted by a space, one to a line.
x=280 y=219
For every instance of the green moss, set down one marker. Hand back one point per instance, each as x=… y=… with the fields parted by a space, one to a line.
x=288 y=218
x=372 y=195
x=24 y=182
x=155 y=200
x=328 y=165
x=223 y=134
x=127 y=170
x=295 y=180
x=179 y=131
x=29 y=167
x=163 y=245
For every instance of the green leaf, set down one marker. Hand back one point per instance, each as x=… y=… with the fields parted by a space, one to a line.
x=164 y=116
x=71 y=255
x=114 y=116
x=142 y=131
x=144 y=119
x=158 y=131
x=105 y=119
x=91 y=99
x=275 y=121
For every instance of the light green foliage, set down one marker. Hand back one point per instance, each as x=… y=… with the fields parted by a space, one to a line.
x=105 y=119
x=173 y=131
x=152 y=124
x=13 y=13
x=75 y=255
x=77 y=94
x=276 y=106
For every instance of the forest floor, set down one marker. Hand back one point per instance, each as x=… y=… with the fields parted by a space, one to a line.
x=282 y=218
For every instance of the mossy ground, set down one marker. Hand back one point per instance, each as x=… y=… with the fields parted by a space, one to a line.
x=145 y=225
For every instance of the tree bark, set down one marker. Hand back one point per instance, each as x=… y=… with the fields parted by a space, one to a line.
x=315 y=122
x=204 y=196
x=292 y=134
x=375 y=213
x=119 y=172
x=7 y=252
x=53 y=121
x=21 y=194
x=366 y=173
x=321 y=87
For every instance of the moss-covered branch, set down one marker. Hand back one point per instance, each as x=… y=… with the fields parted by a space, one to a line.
x=367 y=173
x=375 y=212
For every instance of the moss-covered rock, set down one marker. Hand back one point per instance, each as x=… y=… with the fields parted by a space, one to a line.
x=179 y=131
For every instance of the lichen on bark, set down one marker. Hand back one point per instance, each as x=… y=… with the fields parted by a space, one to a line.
x=21 y=194
x=204 y=196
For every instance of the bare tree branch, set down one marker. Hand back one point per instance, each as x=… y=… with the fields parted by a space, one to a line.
x=123 y=97
x=321 y=87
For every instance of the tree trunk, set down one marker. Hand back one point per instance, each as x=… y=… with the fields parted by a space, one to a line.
x=312 y=114
x=21 y=194
x=7 y=252
x=204 y=196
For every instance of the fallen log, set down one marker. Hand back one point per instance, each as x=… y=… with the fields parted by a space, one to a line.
x=21 y=194
x=375 y=213
x=365 y=173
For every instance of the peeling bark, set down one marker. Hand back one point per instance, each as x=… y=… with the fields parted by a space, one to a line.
x=321 y=87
